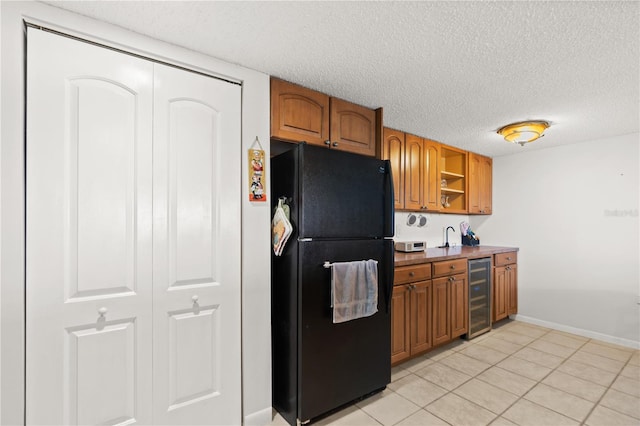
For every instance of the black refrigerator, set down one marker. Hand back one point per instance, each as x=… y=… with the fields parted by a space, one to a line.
x=341 y=209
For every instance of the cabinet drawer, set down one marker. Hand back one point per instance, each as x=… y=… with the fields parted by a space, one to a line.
x=449 y=267
x=505 y=258
x=408 y=274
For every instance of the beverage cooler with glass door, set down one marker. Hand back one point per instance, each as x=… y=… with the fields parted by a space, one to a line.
x=479 y=297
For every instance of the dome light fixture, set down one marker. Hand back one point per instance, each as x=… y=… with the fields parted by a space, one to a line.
x=524 y=131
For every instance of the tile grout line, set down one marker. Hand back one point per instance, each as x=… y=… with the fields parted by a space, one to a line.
x=520 y=397
x=547 y=375
x=461 y=384
x=458 y=386
x=607 y=391
x=435 y=384
x=595 y=404
x=537 y=382
x=420 y=407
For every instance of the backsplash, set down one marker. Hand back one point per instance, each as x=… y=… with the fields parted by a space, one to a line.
x=432 y=232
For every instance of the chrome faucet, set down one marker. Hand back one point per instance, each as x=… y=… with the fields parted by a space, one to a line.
x=446 y=233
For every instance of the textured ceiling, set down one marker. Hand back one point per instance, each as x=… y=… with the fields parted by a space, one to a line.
x=450 y=71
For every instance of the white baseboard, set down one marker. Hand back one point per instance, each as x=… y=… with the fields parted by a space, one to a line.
x=259 y=418
x=579 y=331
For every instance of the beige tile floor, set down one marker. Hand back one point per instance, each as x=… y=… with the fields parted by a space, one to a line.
x=517 y=374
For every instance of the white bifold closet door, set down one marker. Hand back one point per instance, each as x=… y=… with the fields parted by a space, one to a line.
x=196 y=249
x=132 y=240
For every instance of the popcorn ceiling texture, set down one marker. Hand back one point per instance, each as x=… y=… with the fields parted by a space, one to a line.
x=451 y=71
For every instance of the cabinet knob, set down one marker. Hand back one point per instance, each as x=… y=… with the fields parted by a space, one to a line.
x=451 y=279
x=411 y=274
x=335 y=144
x=327 y=142
x=508 y=258
x=453 y=266
x=103 y=311
x=195 y=298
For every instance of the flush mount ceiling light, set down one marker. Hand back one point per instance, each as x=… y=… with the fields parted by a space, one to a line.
x=523 y=132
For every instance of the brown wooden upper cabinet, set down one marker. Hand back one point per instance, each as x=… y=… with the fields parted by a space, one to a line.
x=422 y=189
x=300 y=114
x=393 y=150
x=414 y=163
x=480 y=184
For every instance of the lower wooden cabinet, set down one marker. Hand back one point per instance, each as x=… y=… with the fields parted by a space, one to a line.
x=450 y=308
x=430 y=303
x=441 y=307
x=505 y=286
x=420 y=317
x=459 y=305
x=410 y=320
x=428 y=312
x=512 y=289
x=400 y=323
x=499 y=291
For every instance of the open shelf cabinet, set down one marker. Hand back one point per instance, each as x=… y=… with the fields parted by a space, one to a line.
x=453 y=180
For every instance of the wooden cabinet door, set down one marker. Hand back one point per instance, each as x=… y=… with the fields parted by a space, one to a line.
x=459 y=305
x=480 y=184
x=441 y=315
x=413 y=172
x=420 y=317
x=499 y=293
x=431 y=195
x=352 y=127
x=474 y=183
x=298 y=114
x=512 y=289
x=393 y=150
x=400 y=333
x=486 y=198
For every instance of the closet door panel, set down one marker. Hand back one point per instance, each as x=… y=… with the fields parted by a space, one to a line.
x=196 y=249
x=192 y=203
x=88 y=235
x=100 y=156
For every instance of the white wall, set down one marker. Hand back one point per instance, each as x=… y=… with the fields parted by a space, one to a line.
x=433 y=231
x=573 y=211
x=256 y=316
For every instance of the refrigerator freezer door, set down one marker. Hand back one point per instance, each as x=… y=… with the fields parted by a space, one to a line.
x=344 y=195
x=340 y=362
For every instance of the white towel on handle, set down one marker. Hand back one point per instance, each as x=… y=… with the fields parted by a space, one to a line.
x=354 y=289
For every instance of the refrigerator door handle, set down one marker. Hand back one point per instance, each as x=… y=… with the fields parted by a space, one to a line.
x=389 y=228
x=390 y=261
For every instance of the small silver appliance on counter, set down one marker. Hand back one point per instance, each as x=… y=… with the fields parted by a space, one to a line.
x=409 y=246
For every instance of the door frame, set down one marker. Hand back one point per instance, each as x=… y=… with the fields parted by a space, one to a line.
x=256 y=376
